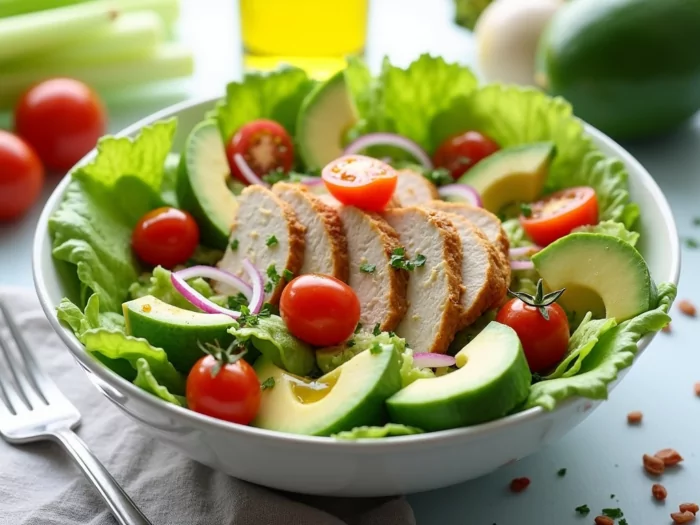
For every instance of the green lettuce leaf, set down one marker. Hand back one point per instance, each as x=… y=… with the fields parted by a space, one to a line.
x=410 y=373
x=615 y=229
x=80 y=322
x=272 y=339
x=614 y=351
x=148 y=382
x=276 y=96
x=159 y=285
x=388 y=430
x=580 y=345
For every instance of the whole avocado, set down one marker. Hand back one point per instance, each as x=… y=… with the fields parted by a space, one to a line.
x=629 y=67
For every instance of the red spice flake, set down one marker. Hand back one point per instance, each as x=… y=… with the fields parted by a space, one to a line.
x=669 y=456
x=659 y=492
x=689 y=507
x=687 y=308
x=634 y=418
x=683 y=517
x=519 y=484
x=603 y=520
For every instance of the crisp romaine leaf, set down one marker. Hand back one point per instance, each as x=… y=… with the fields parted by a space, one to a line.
x=616 y=229
x=332 y=357
x=364 y=92
x=614 y=351
x=515 y=233
x=276 y=96
x=410 y=373
x=170 y=171
x=117 y=345
x=147 y=381
x=580 y=345
x=388 y=430
x=465 y=336
x=272 y=339
x=159 y=285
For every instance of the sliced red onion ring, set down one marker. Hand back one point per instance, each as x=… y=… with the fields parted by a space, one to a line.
x=522 y=265
x=461 y=191
x=430 y=360
x=216 y=274
x=198 y=300
x=390 y=139
x=256 y=301
x=312 y=182
x=524 y=250
x=248 y=174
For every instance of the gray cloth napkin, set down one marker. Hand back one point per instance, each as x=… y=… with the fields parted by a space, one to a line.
x=39 y=485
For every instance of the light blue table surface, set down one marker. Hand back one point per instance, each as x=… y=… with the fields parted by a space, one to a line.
x=603 y=455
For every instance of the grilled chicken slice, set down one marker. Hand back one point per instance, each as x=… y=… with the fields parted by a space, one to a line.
x=326 y=248
x=268 y=233
x=434 y=311
x=413 y=188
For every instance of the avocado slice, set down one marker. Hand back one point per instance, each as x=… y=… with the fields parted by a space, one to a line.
x=492 y=379
x=202 y=187
x=325 y=115
x=177 y=331
x=601 y=273
x=512 y=174
x=352 y=395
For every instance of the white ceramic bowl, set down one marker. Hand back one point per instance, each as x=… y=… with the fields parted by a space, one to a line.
x=324 y=466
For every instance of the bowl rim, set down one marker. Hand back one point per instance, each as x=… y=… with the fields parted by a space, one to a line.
x=368 y=445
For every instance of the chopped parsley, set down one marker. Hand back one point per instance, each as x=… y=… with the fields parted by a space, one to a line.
x=612 y=496
x=271 y=241
x=288 y=276
x=358 y=328
x=234 y=244
x=274 y=278
x=268 y=383
x=622 y=521
x=419 y=260
x=350 y=343
x=392 y=334
x=367 y=268
x=561 y=472
x=696 y=221
x=376 y=348
x=236 y=301
x=536 y=378
x=399 y=260
x=583 y=510
x=274 y=176
x=692 y=243
x=613 y=513
x=439 y=176
x=268 y=287
x=525 y=209
x=376 y=330
x=246 y=317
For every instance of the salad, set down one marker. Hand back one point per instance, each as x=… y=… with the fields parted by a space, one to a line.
x=367 y=256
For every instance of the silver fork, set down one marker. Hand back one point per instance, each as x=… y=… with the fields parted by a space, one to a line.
x=32 y=408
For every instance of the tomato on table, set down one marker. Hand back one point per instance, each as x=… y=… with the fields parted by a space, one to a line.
x=462 y=151
x=320 y=309
x=224 y=386
x=265 y=146
x=21 y=176
x=559 y=213
x=165 y=236
x=541 y=325
x=360 y=181
x=62 y=119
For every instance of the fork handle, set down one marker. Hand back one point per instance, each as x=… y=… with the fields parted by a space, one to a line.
x=124 y=509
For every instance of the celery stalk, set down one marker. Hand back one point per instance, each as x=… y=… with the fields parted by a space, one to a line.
x=21 y=7
x=168 y=10
x=168 y=62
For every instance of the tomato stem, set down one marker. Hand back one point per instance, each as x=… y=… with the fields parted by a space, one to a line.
x=540 y=300
x=223 y=356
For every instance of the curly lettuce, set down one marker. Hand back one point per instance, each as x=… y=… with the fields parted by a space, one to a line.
x=388 y=430
x=159 y=285
x=612 y=228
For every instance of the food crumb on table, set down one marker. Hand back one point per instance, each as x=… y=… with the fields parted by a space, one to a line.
x=682 y=517
x=634 y=417
x=689 y=507
x=697 y=389
x=687 y=308
x=653 y=465
x=669 y=456
x=603 y=520
x=519 y=484
x=659 y=492
x=666 y=329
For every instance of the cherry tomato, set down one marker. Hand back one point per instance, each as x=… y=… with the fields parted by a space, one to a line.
x=165 y=236
x=559 y=213
x=460 y=152
x=360 y=181
x=541 y=325
x=320 y=309
x=62 y=119
x=231 y=394
x=264 y=145
x=21 y=176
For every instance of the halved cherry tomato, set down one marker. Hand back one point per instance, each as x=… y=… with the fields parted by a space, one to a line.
x=165 y=236
x=460 y=152
x=360 y=181
x=265 y=146
x=62 y=119
x=557 y=214
x=231 y=394
x=21 y=176
x=541 y=325
x=320 y=309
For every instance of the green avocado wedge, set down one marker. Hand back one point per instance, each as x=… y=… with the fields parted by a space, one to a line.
x=601 y=273
x=352 y=395
x=492 y=379
x=514 y=174
x=202 y=186
x=179 y=332
x=631 y=68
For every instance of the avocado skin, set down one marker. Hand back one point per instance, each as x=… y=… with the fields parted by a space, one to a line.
x=631 y=68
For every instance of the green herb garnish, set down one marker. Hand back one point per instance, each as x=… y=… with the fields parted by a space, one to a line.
x=350 y=343
x=691 y=243
x=271 y=241
x=613 y=513
x=612 y=496
x=358 y=328
x=268 y=383
x=561 y=472
x=376 y=348
x=439 y=176
x=696 y=221
x=288 y=276
x=367 y=268
x=419 y=260
x=398 y=260
x=235 y=301
x=583 y=510
x=622 y=521
x=234 y=244
x=525 y=209
x=376 y=330
x=274 y=278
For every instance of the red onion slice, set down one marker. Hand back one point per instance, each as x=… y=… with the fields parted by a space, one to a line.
x=462 y=192
x=522 y=265
x=524 y=251
x=256 y=301
x=217 y=274
x=390 y=139
x=430 y=360
x=311 y=182
x=198 y=300
x=248 y=174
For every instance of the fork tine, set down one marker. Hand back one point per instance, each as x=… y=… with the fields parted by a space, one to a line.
x=5 y=407
x=17 y=404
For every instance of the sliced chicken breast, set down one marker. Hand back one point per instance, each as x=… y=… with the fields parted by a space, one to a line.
x=435 y=288
x=413 y=188
x=326 y=248
x=267 y=233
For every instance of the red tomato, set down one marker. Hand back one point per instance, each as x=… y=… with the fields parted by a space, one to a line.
x=544 y=336
x=320 y=309
x=62 y=119
x=460 y=152
x=559 y=213
x=360 y=181
x=265 y=146
x=165 y=236
x=232 y=394
x=21 y=176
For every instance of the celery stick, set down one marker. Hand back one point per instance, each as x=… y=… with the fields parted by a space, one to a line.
x=21 y=7
x=169 y=10
x=131 y=36
x=24 y=34
x=170 y=61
